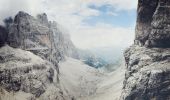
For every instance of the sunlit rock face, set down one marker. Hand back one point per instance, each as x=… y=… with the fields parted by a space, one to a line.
x=148 y=60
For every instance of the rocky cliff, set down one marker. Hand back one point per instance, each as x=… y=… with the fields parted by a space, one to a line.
x=40 y=36
x=30 y=50
x=25 y=76
x=148 y=60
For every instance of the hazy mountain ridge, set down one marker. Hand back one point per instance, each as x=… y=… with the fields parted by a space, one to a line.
x=91 y=59
x=105 y=57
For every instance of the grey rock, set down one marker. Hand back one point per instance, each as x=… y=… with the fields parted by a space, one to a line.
x=147 y=75
x=29 y=65
x=40 y=36
x=25 y=72
x=145 y=11
x=148 y=60
x=43 y=18
x=3 y=36
x=152 y=29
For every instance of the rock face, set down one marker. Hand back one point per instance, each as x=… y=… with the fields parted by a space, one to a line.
x=148 y=60
x=3 y=36
x=152 y=29
x=29 y=60
x=23 y=73
x=40 y=36
x=147 y=74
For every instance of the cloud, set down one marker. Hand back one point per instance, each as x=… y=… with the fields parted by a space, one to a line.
x=103 y=35
x=71 y=14
x=11 y=7
x=112 y=13
x=118 y=4
x=61 y=7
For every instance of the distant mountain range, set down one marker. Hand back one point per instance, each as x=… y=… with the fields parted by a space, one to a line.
x=107 y=57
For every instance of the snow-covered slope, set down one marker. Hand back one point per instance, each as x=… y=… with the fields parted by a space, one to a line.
x=87 y=83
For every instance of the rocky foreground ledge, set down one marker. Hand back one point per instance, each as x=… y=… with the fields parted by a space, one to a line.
x=147 y=74
x=148 y=60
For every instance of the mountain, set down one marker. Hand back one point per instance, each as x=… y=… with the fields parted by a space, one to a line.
x=102 y=57
x=31 y=48
x=148 y=60
x=39 y=36
x=91 y=58
x=110 y=54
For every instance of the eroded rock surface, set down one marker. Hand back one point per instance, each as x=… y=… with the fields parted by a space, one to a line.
x=40 y=36
x=22 y=72
x=147 y=75
x=29 y=60
x=148 y=60
x=3 y=36
x=153 y=21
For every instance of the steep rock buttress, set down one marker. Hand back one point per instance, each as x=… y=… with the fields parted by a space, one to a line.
x=148 y=60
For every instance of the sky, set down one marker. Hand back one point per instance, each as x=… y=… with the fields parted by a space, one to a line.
x=90 y=23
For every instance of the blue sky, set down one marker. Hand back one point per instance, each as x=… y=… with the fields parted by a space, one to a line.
x=109 y=15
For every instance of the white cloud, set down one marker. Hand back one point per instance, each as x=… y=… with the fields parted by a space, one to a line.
x=112 y=13
x=11 y=7
x=103 y=36
x=64 y=12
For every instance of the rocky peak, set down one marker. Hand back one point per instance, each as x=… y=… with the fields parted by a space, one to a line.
x=21 y=14
x=30 y=63
x=43 y=18
x=38 y=35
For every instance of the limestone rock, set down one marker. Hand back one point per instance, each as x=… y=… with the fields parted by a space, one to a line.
x=29 y=65
x=23 y=72
x=147 y=75
x=40 y=36
x=152 y=29
x=3 y=36
x=148 y=60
